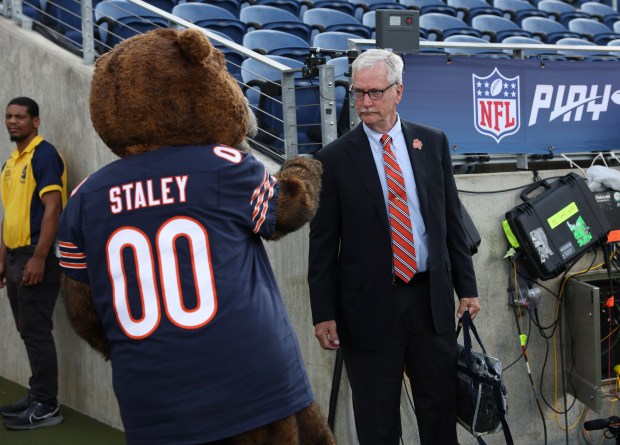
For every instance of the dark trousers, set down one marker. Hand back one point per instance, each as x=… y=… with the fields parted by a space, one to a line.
x=430 y=362
x=32 y=308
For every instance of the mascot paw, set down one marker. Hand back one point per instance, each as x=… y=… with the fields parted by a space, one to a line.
x=300 y=186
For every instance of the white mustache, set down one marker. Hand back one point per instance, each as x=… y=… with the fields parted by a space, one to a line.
x=367 y=110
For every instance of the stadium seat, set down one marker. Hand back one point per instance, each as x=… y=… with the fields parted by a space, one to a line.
x=35 y=9
x=426 y=6
x=370 y=19
x=467 y=9
x=593 y=30
x=295 y=7
x=582 y=55
x=364 y=6
x=615 y=42
x=117 y=20
x=277 y=43
x=64 y=17
x=164 y=5
x=324 y=19
x=337 y=5
x=616 y=27
x=495 y=29
x=232 y=6
x=547 y=30
x=270 y=17
x=213 y=18
x=602 y=12
x=532 y=53
x=335 y=40
x=563 y=12
x=438 y=26
x=517 y=10
x=263 y=90
x=487 y=52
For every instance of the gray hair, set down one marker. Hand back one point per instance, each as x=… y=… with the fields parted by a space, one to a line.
x=393 y=63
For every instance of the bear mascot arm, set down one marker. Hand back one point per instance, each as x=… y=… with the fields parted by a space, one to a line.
x=133 y=117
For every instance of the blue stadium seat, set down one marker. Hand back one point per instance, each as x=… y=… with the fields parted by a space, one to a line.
x=616 y=27
x=467 y=9
x=602 y=12
x=370 y=19
x=426 y=6
x=164 y=5
x=582 y=55
x=495 y=29
x=532 y=53
x=517 y=10
x=232 y=6
x=547 y=30
x=438 y=26
x=563 y=12
x=270 y=17
x=486 y=52
x=324 y=19
x=65 y=18
x=336 y=40
x=337 y=5
x=263 y=90
x=212 y=18
x=277 y=43
x=615 y=42
x=296 y=7
x=35 y=9
x=117 y=20
x=593 y=30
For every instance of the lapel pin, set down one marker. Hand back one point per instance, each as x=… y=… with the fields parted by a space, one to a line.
x=417 y=144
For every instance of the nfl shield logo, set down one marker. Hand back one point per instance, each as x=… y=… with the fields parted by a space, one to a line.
x=496 y=105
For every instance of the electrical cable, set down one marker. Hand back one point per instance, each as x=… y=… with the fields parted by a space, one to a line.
x=523 y=342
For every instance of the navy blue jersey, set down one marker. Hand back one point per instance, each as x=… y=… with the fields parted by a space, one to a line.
x=169 y=242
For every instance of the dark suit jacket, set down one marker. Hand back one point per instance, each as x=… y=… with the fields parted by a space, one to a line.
x=350 y=264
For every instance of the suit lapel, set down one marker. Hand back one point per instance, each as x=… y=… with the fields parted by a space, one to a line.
x=418 y=164
x=360 y=153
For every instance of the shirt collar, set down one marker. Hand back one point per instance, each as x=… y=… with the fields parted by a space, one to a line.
x=395 y=132
x=31 y=146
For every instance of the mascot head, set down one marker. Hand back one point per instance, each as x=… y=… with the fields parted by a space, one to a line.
x=166 y=87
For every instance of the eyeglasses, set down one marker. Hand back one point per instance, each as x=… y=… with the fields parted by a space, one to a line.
x=374 y=94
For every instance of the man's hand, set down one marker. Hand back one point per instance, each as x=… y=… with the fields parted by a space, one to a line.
x=327 y=335
x=468 y=304
x=33 y=271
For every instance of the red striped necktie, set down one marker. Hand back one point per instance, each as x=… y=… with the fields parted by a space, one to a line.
x=403 y=249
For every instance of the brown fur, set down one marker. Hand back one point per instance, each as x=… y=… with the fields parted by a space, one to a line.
x=300 y=185
x=160 y=89
x=307 y=427
x=84 y=318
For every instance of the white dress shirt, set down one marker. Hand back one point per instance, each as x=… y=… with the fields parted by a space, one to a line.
x=399 y=148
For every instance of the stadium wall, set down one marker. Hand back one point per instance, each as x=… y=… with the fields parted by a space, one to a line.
x=30 y=65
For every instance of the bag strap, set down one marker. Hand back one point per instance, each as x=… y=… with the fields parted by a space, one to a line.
x=468 y=325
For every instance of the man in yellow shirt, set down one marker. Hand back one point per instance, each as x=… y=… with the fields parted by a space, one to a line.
x=33 y=190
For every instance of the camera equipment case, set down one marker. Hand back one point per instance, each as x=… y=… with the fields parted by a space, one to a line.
x=557 y=226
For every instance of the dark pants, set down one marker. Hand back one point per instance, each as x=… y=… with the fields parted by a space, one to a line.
x=430 y=362
x=32 y=308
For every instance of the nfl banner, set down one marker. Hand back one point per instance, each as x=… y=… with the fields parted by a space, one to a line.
x=489 y=106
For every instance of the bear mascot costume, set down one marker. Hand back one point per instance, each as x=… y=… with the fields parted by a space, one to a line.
x=165 y=273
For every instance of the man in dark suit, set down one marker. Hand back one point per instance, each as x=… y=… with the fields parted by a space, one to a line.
x=385 y=297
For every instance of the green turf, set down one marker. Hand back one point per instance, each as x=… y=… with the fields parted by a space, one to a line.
x=77 y=429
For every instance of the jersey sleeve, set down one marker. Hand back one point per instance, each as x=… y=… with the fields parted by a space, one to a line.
x=48 y=169
x=253 y=189
x=71 y=240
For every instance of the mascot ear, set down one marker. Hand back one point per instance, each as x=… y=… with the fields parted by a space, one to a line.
x=194 y=46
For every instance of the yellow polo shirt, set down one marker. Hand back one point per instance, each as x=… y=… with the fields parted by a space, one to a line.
x=25 y=178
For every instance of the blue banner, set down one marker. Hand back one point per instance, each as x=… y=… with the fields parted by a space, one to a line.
x=515 y=106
